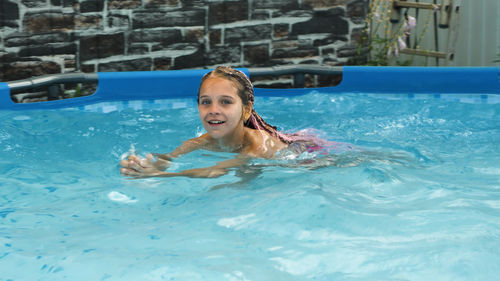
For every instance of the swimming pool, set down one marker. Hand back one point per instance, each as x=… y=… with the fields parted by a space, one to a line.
x=421 y=200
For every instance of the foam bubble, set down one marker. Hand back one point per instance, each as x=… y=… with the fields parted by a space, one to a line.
x=120 y=197
x=237 y=222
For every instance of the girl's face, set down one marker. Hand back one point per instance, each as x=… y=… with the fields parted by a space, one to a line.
x=221 y=110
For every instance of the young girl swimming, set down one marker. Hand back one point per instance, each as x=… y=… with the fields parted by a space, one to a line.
x=225 y=105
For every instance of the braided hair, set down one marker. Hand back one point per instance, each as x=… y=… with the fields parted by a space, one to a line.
x=245 y=92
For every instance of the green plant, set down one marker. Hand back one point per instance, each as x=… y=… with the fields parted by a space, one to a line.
x=76 y=92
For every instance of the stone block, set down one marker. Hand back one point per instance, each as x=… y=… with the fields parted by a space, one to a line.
x=55 y=2
x=101 y=46
x=328 y=51
x=48 y=49
x=224 y=55
x=214 y=36
x=314 y=60
x=347 y=51
x=295 y=53
x=163 y=36
x=161 y=3
x=69 y=3
x=8 y=23
x=162 y=63
x=23 y=39
x=357 y=10
x=327 y=21
x=150 y=19
x=118 y=21
x=331 y=38
x=194 y=60
x=138 y=49
x=322 y=4
x=39 y=22
x=331 y=61
x=83 y=22
x=123 y=4
x=88 y=68
x=143 y=64
x=306 y=14
x=194 y=35
x=305 y=43
x=6 y=58
x=288 y=44
x=27 y=69
x=247 y=33
x=256 y=54
x=328 y=80
x=309 y=81
x=34 y=3
x=90 y=6
x=227 y=11
x=193 y=3
x=70 y=63
x=260 y=14
x=184 y=47
x=9 y=11
x=281 y=30
x=276 y=4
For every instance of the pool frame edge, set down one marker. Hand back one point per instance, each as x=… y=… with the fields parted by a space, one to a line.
x=140 y=85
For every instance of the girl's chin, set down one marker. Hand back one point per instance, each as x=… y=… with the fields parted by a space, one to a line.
x=216 y=135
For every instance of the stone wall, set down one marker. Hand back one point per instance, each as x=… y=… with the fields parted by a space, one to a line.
x=56 y=36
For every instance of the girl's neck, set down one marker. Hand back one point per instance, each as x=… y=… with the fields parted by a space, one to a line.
x=234 y=143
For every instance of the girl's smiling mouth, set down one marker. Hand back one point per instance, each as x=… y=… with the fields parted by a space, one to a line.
x=215 y=122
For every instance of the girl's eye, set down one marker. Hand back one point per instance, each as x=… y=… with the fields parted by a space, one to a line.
x=205 y=102
x=226 y=102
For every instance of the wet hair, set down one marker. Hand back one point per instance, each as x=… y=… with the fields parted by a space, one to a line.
x=245 y=92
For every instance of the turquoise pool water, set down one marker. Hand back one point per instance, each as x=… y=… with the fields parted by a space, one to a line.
x=420 y=199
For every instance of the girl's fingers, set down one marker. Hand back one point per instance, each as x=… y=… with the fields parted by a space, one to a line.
x=138 y=166
x=128 y=163
x=134 y=158
x=134 y=173
x=134 y=161
x=145 y=163
x=128 y=172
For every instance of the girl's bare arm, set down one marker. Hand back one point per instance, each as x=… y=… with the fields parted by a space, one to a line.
x=184 y=148
x=135 y=166
x=221 y=168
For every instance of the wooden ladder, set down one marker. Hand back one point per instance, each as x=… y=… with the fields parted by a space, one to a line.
x=448 y=19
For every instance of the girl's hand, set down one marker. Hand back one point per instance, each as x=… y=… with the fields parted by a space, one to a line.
x=146 y=167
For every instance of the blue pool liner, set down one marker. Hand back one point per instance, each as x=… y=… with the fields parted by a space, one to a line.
x=144 y=85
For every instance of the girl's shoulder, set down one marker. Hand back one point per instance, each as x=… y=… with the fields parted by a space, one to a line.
x=205 y=141
x=201 y=141
x=262 y=144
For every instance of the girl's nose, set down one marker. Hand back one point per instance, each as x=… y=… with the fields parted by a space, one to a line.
x=214 y=109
